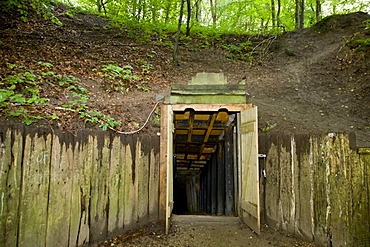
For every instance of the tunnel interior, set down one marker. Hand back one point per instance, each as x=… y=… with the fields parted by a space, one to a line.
x=204 y=160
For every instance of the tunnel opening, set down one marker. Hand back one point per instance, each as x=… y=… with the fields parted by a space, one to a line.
x=205 y=162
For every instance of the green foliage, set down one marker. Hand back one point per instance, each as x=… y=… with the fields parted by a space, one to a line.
x=96 y=117
x=42 y=8
x=20 y=90
x=117 y=78
x=242 y=51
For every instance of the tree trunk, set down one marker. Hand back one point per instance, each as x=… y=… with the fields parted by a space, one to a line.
x=302 y=14
x=299 y=14
x=188 y=18
x=213 y=12
x=98 y=5
x=318 y=11
x=167 y=11
x=197 y=10
x=278 y=14
x=177 y=38
x=273 y=14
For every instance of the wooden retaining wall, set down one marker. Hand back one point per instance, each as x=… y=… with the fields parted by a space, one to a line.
x=317 y=188
x=57 y=189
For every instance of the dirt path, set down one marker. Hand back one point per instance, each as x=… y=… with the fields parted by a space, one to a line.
x=204 y=231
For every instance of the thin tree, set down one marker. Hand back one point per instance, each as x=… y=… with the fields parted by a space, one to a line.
x=318 y=11
x=177 y=38
x=273 y=14
x=299 y=14
x=188 y=17
x=213 y=12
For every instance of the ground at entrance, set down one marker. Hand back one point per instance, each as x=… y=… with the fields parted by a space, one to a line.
x=188 y=230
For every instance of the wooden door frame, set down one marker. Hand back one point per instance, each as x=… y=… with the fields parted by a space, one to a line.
x=167 y=109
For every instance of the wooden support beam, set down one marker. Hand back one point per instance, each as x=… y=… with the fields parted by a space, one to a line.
x=206 y=137
x=213 y=184
x=229 y=172
x=190 y=132
x=220 y=180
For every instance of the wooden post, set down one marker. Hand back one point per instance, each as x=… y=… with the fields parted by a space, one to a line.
x=213 y=185
x=229 y=173
x=163 y=163
x=208 y=188
x=220 y=180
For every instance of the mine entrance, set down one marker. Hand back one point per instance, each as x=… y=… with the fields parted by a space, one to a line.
x=205 y=174
x=209 y=159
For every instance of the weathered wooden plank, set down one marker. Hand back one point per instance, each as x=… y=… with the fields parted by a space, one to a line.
x=220 y=180
x=163 y=162
x=213 y=188
x=208 y=188
x=229 y=173
x=11 y=150
x=35 y=188
x=337 y=187
x=153 y=186
x=303 y=218
x=79 y=224
x=272 y=195
x=360 y=203
x=142 y=163
x=60 y=187
x=129 y=195
x=99 y=185
x=115 y=220
x=285 y=199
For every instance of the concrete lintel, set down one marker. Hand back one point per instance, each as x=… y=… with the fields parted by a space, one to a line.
x=208 y=99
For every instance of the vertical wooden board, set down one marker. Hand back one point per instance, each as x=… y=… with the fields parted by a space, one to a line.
x=220 y=180
x=303 y=189
x=5 y=163
x=364 y=212
x=153 y=186
x=86 y=178
x=213 y=188
x=60 y=187
x=285 y=202
x=79 y=225
x=360 y=209
x=249 y=202
x=337 y=190
x=163 y=162
x=34 y=191
x=142 y=164
x=129 y=195
x=99 y=191
x=320 y=193
x=209 y=188
x=272 y=197
x=115 y=220
x=10 y=182
x=121 y=188
x=169 y=164
x=229 y=173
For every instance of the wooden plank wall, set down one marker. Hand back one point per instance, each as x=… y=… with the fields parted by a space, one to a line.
x=316 y=188
x=57 y=189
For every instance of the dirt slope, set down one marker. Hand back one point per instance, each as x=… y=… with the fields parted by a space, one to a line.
x=307 y=81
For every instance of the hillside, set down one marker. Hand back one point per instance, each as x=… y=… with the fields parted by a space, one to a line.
x=311 y=81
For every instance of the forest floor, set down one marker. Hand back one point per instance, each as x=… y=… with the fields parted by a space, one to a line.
x=311 y=81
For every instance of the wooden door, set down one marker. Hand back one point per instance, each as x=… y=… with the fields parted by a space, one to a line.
x=169 y=161
x=249 y=177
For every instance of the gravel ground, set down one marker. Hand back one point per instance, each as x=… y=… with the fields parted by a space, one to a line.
x=202 y=231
